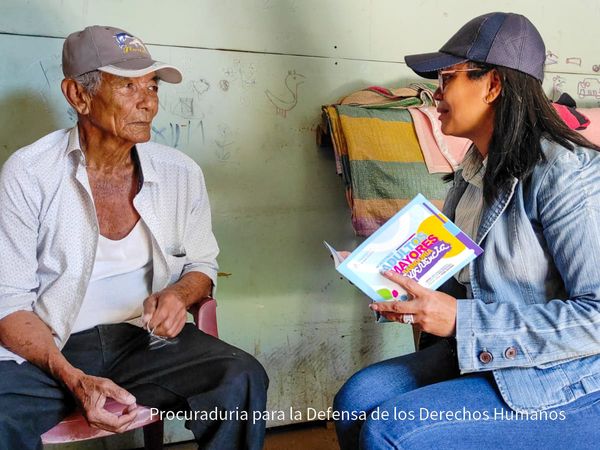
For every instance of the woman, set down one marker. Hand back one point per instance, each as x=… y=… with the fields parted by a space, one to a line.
x=510 y=350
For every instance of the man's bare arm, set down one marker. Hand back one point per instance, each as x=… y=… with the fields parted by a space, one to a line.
x=25 y=334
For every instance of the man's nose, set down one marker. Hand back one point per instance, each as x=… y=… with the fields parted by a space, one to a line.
x=147 y=99
x=437 y=95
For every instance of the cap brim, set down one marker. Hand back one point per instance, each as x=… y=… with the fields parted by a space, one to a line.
x=166 y=72
x=427 y=64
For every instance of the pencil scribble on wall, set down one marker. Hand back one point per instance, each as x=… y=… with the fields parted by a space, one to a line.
x=175 y=135
x=178 y=134
x=224 y=141
x=558 y=83
x=551 y=58
x=246 y=73
x=574 y=60
x=48 y=83
x=45 y=74
x=588 y=87
x=184 y=104
x=289 y=100
x=200 y=86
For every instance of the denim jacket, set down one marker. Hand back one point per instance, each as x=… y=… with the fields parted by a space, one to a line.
x=534 y=319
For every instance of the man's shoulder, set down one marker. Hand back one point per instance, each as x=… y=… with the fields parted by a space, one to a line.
x=39 y=155
x=57 y=140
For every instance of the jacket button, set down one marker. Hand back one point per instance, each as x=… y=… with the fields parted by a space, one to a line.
x=485 y=357
x=510 y=353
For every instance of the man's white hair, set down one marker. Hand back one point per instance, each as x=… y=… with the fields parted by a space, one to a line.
x=90 y=81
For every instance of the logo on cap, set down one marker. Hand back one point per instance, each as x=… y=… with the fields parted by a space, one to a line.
x=129 y=43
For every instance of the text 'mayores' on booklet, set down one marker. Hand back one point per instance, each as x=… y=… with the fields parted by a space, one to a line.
x=418 y=242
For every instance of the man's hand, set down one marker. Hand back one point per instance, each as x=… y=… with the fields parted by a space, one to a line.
x=165 y=312
x=433 y=312
x=91 y=394
x=27 y=335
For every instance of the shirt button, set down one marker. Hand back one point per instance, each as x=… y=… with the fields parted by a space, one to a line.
x=510 y=353
x=485 y=357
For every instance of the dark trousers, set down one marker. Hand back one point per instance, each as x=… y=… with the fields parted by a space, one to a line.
x=198 y=373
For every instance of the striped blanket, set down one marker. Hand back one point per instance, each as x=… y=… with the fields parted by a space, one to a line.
x=380 y=160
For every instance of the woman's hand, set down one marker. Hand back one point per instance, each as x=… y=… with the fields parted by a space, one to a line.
x=343 y=254
x=432 y=311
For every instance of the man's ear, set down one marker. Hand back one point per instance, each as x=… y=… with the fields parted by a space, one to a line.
x=76 y=95
x=494 y=88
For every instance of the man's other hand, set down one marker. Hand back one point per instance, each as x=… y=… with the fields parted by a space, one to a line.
x=92 y=392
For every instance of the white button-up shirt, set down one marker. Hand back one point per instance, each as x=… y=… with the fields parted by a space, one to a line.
x=49 y=230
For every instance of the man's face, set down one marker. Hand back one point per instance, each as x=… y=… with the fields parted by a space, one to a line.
x=124 y=107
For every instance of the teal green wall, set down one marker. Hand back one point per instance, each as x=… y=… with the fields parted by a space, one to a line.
x=275 y=196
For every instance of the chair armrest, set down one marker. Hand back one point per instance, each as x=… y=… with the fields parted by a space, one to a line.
x=205 y=316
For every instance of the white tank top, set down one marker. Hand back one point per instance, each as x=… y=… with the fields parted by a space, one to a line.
x=121 y=280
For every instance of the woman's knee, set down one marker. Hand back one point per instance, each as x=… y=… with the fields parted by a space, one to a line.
x=375 y=384
x=395 y=426
x=351 y=395
x=375 y=434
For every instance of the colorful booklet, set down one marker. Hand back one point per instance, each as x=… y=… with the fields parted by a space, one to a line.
x=418 y=242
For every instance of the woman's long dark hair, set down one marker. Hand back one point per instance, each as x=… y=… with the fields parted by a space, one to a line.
x=523 y=116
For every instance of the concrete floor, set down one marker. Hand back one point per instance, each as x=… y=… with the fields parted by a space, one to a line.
x=311 y=436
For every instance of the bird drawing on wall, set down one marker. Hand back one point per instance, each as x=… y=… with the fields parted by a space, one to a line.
x=282 y=106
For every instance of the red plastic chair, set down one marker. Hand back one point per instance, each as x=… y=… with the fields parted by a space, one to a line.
x=75 y=428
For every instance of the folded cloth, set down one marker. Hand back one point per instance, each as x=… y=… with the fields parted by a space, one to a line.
x=572 y=117
x=387 y=142
x=416 y=94
x=381 y=162
x=566 y=108
x=591 y=132
x=442 y=153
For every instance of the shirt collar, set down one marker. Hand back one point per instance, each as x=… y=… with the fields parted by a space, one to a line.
x=73 y=143
x=146 y=166
x=140 y=159
x=473 y=167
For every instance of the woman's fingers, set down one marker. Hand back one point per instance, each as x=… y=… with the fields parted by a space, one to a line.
x=408 y=284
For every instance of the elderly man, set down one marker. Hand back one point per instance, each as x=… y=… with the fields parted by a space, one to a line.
x=105 y=237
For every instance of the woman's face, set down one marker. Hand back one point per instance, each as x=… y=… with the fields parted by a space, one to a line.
x=464 y=104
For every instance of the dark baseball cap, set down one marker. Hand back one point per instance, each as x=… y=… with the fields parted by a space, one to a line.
x=501 y=39
x=114 y=51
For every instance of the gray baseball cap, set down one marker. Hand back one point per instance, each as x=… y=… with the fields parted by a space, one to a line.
x=113 y=51
x=502 y=39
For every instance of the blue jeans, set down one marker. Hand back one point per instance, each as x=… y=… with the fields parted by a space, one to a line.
x=420 y=401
